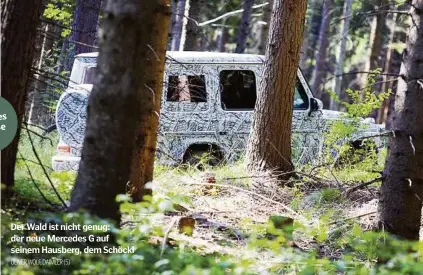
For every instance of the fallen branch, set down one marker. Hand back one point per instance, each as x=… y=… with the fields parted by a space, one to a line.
x=353 y=217
x=290 y=210
x=172 y=223
x=362 y=185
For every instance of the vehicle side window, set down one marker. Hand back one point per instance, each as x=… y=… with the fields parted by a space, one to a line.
x=300 y=97
x=191 y=88
x=90 y=75
x=238 y=89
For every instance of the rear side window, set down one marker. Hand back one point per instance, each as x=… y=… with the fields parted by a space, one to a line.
x=189 y=88
x=238 y=89
x=90 y=75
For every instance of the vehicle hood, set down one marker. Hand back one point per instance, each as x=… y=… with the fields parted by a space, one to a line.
x=369 y=122
x=329 y=114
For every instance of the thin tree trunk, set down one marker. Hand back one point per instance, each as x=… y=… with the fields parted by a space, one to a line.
x=123 y=106
x=322 y=47
x=269 y=147
x=386 y=85
x=173 y=6
x=19 y=21
x=184 y=25
x=401 y=192
x=193 y=31
x=62 y=57
x=223 y=39
x=85 y=24
x=244 y=27
x=341 y=53
x=38 y=111
x=304 y=50
x=311 y=37
x=177 y=26
x=267 y=12
x=421 y=226
x=376 y=40
x=84 y=28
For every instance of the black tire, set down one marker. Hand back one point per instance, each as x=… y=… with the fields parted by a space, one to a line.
x=195 y=157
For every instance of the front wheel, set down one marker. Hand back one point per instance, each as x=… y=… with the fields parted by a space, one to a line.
x=199 y=158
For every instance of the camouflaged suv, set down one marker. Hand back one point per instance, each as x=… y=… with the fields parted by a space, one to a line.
x=207 y=106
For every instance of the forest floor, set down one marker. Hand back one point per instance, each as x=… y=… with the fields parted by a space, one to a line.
x=230 y=208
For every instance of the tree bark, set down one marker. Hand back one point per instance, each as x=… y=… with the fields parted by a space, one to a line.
x=311 y=37
x=38 y=111
x=19 y=21
x=322 y=47
x=84 y=28
x=267 y=12
x=386 y=85
x=123 y=106
x=376 y=35
x=376 y=41
x=85 y=23
x=401 y=192
x=244 y=27
x=193 y=31
x=177 y=25
x=269 y=147
x=341 y=53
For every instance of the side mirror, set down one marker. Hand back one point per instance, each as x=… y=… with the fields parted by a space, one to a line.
x=315 y=104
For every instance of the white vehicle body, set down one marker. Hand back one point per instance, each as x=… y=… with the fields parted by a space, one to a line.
x=207 y=102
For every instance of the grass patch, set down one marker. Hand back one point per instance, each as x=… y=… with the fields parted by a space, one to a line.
x=29 y=169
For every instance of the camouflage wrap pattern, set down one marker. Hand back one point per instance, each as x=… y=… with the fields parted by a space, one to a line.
x=183 y=124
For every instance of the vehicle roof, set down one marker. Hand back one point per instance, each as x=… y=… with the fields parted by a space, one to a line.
x=203 y=57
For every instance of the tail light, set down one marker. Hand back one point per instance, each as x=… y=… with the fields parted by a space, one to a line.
x=63 y=148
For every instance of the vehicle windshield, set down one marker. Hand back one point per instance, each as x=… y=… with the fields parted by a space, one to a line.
x=300 y=97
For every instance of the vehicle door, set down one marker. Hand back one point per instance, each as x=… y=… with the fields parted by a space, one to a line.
x=307 y=125
x=236 y=97
x=187 y=114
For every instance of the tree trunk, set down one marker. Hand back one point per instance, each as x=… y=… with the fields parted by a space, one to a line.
x=123 y=106
x=264 y=32
x=223 y=38
x=85 y=24
x=386 y=85
x=376 y=35
x=177 y=25
x=341 y=53
x=311 y=37
x=193 y=31
x=173 y=6
x=402 y=188
x=269 y=147
x=322 y=47
x=38 y=111
x=421 y=227
x=84 y=29
x=19 y=23
x=244 y=27
x=376 y=41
